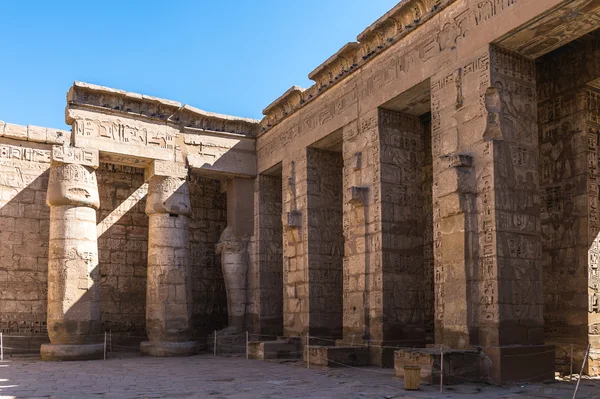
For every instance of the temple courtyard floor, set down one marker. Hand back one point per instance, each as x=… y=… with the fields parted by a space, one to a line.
x=205 y=376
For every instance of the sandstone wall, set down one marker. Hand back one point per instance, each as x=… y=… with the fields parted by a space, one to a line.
x=122 y=248
x=208 y=220
x=266 y=272
x=569 y=132
x=24 y=229
x=122 y=240
x=325 y=242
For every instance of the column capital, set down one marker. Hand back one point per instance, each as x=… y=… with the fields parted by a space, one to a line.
x=62 y=155
x=72 y=184
x=168 y=195
x=166 y=169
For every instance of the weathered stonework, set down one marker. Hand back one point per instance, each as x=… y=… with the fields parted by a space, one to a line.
x=73 y=275
x=444 y=195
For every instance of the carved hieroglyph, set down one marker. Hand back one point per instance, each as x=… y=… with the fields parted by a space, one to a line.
x=234 y=263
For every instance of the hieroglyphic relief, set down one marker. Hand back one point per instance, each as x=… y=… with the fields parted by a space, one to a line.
x=325 y=241
x=400 y=178
x=570 y=20
x=208 y=220
x=269 y=245
x=124 y=136
x=24 y=230
x=487 y=9
x=569 y=187
x=429 y=45
x=516 y=192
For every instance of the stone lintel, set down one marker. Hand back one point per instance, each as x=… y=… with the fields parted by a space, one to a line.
x=73 y=155
x=157 y=110
x=80 y=88
x=199 y=113
x=165 y=169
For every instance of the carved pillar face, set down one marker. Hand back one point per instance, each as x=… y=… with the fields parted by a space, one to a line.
x=73 y=287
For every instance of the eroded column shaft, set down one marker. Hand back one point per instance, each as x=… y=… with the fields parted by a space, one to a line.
x=74 y=325
x=168 y=292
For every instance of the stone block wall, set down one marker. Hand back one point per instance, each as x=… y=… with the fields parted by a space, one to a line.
x=122 y=249
x=325 y=242
x=208 y=220
x=24 y=229
x=405 y=305
x=568 y=138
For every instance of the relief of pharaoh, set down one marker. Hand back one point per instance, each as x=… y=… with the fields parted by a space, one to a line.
x=234 y=262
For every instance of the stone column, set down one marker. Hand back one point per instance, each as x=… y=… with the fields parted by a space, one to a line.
x=313 y=244
x=74 y=324
x=168 y=294
x=266 y=316
x=385 y=280
x=487 y=259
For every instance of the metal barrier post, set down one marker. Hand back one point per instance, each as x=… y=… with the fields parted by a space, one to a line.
x=246 y=344
x=587 y=352
x=104 y=345
x=307 y=350
x=571 y=372
x=215 y=344
x=1 y=348
x=442 y=369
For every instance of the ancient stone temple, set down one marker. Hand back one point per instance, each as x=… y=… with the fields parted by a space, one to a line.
x=437 y=187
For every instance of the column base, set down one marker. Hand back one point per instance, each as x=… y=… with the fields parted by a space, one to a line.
x=60 y=352
x=166 y=348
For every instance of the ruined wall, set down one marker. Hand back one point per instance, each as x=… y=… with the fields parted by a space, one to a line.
x=266 y=273
x=325 y=242
x=122 y=249
x=208 y=220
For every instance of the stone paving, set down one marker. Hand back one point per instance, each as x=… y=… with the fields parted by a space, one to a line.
x=205 y=376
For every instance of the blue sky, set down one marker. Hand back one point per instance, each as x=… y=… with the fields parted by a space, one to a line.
x=227 y=56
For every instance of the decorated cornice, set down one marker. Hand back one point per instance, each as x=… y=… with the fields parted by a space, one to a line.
x=134 y=105
x=283 y=106
x=382 y=34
